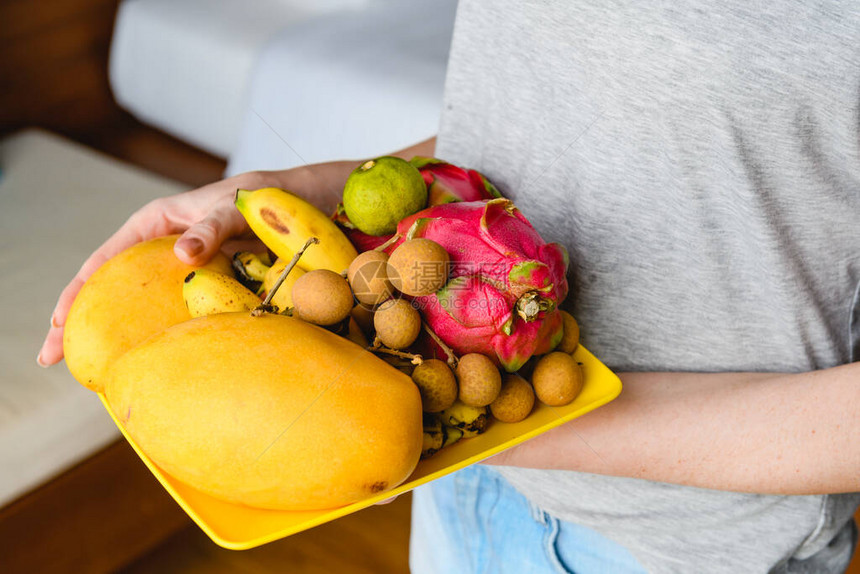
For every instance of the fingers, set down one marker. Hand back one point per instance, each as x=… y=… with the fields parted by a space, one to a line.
x=147 y=222
x=203 y=240
x=127 y=236
x=52 y=349
x=61 y=310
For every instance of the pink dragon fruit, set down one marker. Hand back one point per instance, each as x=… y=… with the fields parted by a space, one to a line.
x=505 y=285
x=446 y=183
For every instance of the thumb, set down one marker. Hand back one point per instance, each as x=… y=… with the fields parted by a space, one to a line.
x=201 y=241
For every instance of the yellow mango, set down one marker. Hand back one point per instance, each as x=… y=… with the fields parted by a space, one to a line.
x=134 y=295
x=269 y=411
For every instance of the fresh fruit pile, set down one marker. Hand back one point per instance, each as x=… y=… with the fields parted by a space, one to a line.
x=463 y=286
x=251 y=380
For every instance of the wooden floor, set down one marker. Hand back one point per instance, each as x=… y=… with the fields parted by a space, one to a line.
x=372 y=541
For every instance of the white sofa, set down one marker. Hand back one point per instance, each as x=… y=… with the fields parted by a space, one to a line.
x=276 y=83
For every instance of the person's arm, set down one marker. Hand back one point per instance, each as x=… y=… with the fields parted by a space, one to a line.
x=749 y=432
x=206 y=218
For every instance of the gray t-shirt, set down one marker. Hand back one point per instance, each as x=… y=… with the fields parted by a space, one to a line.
x=701 y=162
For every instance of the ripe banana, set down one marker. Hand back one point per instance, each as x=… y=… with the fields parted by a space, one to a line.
x=465 y=433
x=471 y=420
x=438 y=436
x=251 y=269
x=283 y=298
x=434 y=436
x=207 y=292
x=284 y=222
x=452 y=435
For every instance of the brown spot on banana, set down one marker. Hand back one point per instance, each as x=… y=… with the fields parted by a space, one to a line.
x=272 y=220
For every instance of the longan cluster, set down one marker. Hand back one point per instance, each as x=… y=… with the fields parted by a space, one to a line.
x=460 y=402
x=458 y=396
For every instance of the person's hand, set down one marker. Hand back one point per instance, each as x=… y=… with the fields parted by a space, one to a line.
x=205 y=217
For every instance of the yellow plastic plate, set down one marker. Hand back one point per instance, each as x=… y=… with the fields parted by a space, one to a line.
x=240 y=527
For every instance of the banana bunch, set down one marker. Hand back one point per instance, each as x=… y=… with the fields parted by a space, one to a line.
x=437 y=436
x=472 y=421
x=454 y=423
x=259 y=274
x=251 y=269
x=207 y=292
x=284 y=222
x=283 y=298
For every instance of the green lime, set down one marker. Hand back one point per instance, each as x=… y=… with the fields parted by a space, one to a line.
x=381 y=192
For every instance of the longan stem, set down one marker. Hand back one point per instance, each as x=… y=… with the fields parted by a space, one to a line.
x=376 y=348
x=267 y=302
x=452 y=358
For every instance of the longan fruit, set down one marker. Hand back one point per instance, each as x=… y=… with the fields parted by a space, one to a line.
x=437 y=385
x=322 y=297
x=419 y=267
x=397 y=323
x=368 y=276
x=479 y=380
x=557 y=379
x=515 y=401
x=570 y=338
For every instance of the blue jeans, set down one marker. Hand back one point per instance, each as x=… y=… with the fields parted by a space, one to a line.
x=473 y=521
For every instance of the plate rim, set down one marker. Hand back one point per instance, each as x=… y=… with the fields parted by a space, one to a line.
x=406 y=486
